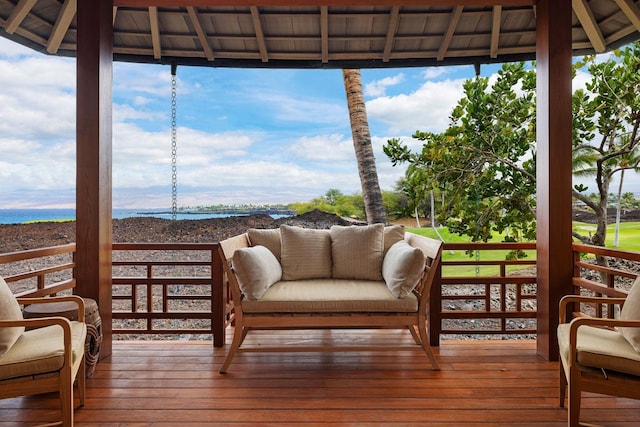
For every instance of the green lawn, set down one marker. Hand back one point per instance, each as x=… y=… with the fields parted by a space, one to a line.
x=629 y=241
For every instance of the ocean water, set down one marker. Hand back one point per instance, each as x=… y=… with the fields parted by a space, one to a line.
x=21 y=216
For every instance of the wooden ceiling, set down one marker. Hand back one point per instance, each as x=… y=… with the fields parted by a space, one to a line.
x=325 y=34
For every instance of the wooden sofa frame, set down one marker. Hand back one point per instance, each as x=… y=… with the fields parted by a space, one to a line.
x=416 y=322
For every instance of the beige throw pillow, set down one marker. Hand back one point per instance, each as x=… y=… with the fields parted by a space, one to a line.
x=631 y=311
x=9 y=310
x=257 y=269
x=269 y=238
x=306 y=253
x=357 y=251
x=392 y=234
x=402 y=268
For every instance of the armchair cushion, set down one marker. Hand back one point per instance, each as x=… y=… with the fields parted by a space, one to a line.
x=41 y=350
x=9 y=310
x=600 y=348
x=402 y=268
x=257 y=269
x=631 y=311
x=357 y=251
x=306 y=253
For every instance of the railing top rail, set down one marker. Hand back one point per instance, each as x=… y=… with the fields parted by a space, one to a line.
x=164 y=246
x=36 y=253
x=508 y=246
x=599 y=250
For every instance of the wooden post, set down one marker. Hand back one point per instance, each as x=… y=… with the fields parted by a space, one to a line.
x=554 y=255
x=93 y=158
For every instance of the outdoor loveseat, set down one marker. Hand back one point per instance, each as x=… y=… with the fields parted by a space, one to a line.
x=360 y=277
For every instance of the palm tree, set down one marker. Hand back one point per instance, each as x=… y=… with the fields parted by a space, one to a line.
x=373 y=207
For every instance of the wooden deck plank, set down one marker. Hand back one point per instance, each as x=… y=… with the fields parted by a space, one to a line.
x=176 y=383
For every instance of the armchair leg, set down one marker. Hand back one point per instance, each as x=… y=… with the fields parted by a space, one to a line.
x=563 y=385
x=574 y=402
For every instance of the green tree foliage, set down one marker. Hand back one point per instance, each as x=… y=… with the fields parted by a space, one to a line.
x=606 y=129
x=352 y=206
x=484 y=162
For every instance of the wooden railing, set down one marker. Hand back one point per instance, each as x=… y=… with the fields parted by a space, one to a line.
x=495 y=297
x=159 y=288
x=53 y=272
x=165 y=289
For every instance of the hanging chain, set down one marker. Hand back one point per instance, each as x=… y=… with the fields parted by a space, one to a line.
x=174 y=148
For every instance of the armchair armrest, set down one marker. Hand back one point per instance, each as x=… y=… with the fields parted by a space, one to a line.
x=568 y=299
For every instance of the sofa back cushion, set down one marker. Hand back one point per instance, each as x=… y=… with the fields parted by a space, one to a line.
x=256 y=269
x=9 y=310
x=269 y=238
x=305 y=253
x=402 y=268
x=392 y=234
x=357 y=251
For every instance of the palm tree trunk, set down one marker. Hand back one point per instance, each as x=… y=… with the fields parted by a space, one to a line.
x=374 y=209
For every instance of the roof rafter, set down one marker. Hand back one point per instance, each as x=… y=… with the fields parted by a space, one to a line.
x=631 y=11
x=155 y=32
x=324 y=33
x=446 y=39
x=589 y=24
x=193 y=15
x=257 y=25
x=495 y=31
x=65 y=17
x=115 y=13
x=21 y=10
x=391 y=32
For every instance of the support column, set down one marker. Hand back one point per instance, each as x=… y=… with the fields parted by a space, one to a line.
x=93 y=158
x=554 y=269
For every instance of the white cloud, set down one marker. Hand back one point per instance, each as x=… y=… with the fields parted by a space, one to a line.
x=379 y=87
x=324 y=148
x=426 y=109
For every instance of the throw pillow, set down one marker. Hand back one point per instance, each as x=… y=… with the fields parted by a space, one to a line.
x=305 y=252
x=269 y=238
x=257 y=269
x=392 y=234
x=357 y=251
x=9 y=310
x=402 y=268
x=631 y=311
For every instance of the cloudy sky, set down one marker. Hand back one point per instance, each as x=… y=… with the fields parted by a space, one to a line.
x=244 y=136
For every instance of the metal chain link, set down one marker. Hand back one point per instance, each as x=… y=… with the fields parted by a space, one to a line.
x=174 y=151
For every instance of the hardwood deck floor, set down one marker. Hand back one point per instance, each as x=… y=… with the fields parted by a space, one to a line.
x=176 y=383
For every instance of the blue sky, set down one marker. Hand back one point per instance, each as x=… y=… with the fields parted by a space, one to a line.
x=244 y=135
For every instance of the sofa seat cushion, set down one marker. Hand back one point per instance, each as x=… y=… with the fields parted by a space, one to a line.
x=330 y=296
x=41 y=350
x=601 y=348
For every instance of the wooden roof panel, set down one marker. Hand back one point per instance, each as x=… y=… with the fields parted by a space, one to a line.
x=273 y=33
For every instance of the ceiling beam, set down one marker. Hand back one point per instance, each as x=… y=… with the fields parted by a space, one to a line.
x=391 y=32
x=155 y=32
x=193 y=15
x=589 y=24
x=446 y=39
x=115 y=13
x=67 y=12
x=245 y=3
x=324 y=33
x=19 y=12
x=257 y=26
x=495 y=31
x=631 y=11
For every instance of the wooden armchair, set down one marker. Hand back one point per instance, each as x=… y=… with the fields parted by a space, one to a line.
x=46 y=358
x=595 y=355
